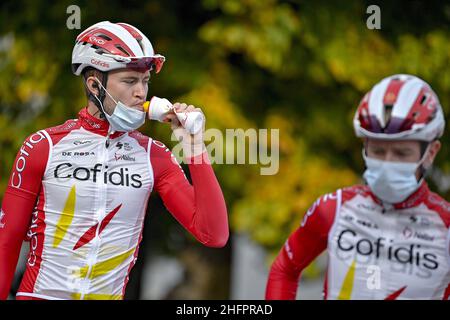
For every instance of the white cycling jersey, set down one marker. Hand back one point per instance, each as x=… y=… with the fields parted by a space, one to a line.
x=374 y=251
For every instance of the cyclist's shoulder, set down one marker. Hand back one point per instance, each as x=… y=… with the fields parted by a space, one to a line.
x=142 y=139
x=159 y=148
x=345 y=193
x=154 y=147
x=438 y=204
x=435 y=198
x=40 y=136
x=65 y=127
x=350 y=192
x=330 y=200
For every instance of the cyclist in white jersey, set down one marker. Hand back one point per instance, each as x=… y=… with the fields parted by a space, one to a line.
x=388 y=239
x=78 y=192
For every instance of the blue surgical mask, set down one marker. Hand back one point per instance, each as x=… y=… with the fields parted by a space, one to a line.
x=392 y=182
x=123 y=118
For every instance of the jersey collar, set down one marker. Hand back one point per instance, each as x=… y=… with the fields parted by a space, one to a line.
x=95 y=125
x=416 y=198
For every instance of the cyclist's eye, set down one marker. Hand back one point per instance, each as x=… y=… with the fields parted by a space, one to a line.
x=378 y=152
x=402 y=154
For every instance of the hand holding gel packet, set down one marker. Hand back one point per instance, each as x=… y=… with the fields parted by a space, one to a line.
x=158 y=108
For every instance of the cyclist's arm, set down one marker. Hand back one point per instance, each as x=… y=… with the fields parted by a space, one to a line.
x=18 y=203
x=302 y=247
x=200 y=208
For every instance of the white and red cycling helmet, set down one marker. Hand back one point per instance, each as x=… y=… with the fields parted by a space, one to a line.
x=107 y=46
x=400 y=107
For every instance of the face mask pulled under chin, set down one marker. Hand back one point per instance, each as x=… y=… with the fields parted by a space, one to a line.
x=392 y=182
x=124 y=118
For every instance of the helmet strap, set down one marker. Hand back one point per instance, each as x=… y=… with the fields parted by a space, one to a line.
x=424 y=146
x=98 y=100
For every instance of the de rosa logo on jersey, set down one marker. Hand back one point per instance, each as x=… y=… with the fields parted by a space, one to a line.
x=77 y=153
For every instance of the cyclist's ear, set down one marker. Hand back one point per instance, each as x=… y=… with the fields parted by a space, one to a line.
x=92 y=85
x=433 y=150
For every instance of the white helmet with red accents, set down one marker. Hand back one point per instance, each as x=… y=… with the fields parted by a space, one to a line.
x=108 y=46
x=400 y=107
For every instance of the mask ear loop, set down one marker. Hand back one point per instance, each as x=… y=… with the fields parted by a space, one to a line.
x=422 y=170
x=98 y=81
x=101 y=104
x=98 y=100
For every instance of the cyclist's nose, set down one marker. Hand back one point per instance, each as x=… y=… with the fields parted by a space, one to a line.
x=389 y=156
x=140 y=91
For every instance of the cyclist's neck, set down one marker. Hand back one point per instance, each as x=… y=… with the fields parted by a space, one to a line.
x=94 y=111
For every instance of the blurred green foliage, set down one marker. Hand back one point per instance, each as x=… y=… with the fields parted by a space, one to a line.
x=300 y=66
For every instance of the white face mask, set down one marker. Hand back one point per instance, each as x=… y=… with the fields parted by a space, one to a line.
x=123 y=118
x=390 y=181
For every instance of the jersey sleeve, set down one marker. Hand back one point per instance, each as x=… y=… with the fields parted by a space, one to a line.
x=18 y=203
x=300 y=249
x=200 y=208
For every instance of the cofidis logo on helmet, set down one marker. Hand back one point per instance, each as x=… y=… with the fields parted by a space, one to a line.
x=100 y=63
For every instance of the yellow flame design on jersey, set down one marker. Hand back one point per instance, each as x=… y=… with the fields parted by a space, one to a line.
x=106 y=266
x=96 y=296
x=65 y=219
x=347 y=285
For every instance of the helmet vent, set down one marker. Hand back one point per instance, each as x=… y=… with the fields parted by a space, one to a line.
x=424 y=98
x=139 y=41
x=103 y=36
x=118 y=46
x=387 y=113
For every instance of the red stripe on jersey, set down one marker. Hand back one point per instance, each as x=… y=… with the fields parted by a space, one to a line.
x=395 y=295
x=325 y=284
x=90 y=233
x=447 y=293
